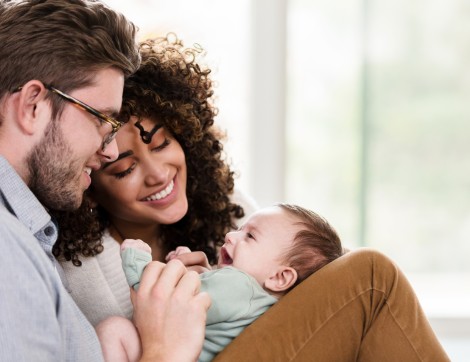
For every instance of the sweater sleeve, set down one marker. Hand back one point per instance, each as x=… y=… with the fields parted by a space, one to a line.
x=99 y=285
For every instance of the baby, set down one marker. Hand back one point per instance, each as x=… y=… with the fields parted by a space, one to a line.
x=270 y=254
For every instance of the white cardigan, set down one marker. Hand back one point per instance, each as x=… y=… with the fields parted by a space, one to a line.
x=99 y=286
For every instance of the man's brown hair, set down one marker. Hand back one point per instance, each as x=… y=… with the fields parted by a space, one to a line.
x=62 y=43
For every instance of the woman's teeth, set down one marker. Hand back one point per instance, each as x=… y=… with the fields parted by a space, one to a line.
x=162 y=194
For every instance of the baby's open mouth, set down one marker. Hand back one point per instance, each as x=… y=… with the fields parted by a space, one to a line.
x=226 y=259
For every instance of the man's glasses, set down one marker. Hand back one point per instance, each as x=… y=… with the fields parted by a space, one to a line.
x=115 y=124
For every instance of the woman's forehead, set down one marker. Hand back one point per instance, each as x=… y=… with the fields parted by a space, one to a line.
x=142 y=128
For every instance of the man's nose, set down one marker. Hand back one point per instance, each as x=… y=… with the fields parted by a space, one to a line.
x=110 y=152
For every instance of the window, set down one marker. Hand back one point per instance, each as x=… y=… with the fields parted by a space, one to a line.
x=377 y=136
x=377 y=124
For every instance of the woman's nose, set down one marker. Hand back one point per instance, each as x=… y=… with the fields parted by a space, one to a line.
x=155 y=172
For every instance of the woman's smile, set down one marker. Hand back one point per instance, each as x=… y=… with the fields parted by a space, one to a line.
x=161 y=194
x=167 y=197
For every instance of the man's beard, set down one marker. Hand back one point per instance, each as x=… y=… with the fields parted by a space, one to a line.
x=52 y=171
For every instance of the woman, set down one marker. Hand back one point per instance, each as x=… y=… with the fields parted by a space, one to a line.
x=170 y=185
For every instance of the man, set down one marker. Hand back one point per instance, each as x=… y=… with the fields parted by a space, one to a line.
x=62 y=70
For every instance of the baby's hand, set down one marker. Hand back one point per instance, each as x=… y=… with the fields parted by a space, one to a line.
x=192 y=260
x=137 y=244
x=178 y=251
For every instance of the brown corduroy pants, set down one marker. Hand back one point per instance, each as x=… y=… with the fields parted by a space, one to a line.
x=358 y=308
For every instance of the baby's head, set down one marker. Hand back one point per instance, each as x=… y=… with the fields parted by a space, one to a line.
x=280 y=246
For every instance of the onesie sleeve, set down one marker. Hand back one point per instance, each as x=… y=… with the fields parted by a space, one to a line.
x=134 y=262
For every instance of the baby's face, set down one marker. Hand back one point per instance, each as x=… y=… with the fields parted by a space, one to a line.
x=258 y=246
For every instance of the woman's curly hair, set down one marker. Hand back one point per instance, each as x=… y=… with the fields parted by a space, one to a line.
x=172 y=88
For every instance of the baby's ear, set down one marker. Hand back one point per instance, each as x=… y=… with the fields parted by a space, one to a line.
x=281 y=280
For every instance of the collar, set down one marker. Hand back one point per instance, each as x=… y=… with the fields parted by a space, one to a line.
x=19 y=200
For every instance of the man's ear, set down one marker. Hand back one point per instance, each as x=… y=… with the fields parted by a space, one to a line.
x=281 y=280
x=30 y=106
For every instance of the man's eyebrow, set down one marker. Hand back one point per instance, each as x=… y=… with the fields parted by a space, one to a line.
x=120 y=157
x=110 y=112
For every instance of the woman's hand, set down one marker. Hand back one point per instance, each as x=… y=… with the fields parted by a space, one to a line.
x=170 y=312
x=193 y=260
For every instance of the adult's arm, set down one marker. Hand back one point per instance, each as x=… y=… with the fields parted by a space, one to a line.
x=38 y=319
x=360 y=307
x=29 y=328
x=99 y=286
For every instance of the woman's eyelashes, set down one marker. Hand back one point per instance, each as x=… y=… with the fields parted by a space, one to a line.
x=122 y=174
x=164 y=144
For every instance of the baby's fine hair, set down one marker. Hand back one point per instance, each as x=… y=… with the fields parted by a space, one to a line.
x=314 y=246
